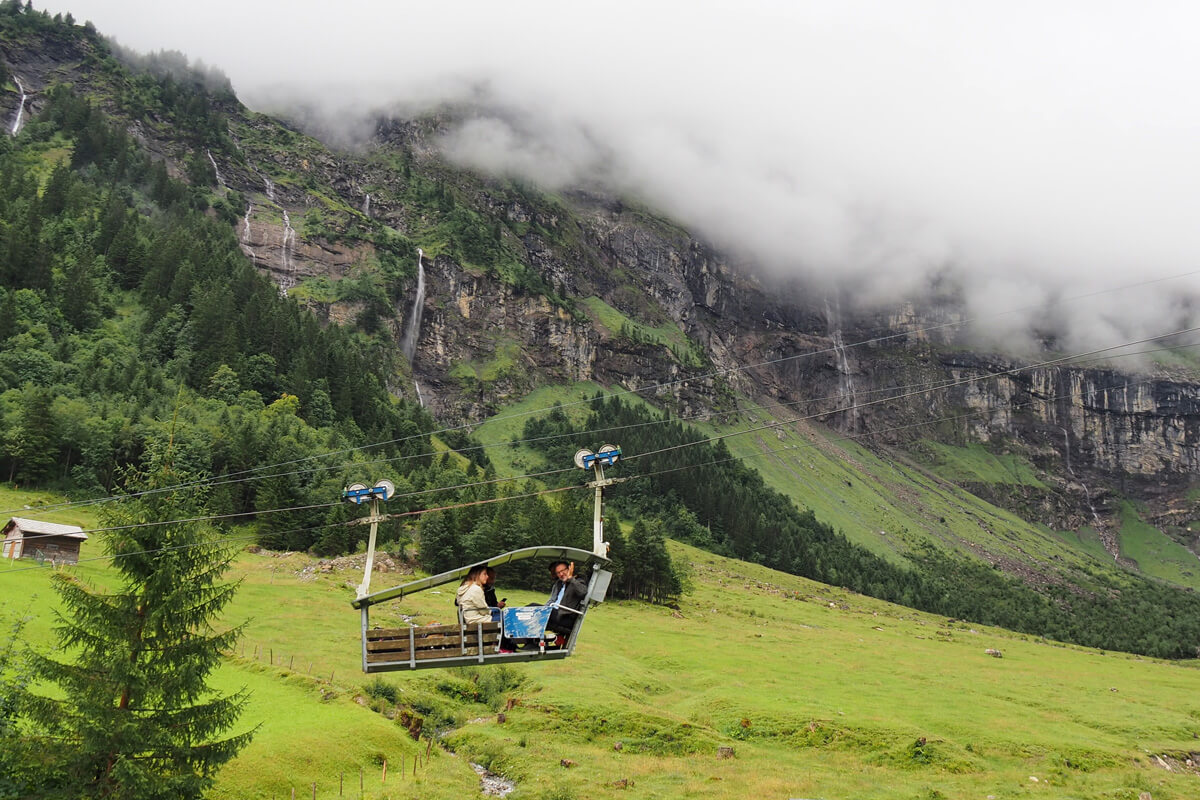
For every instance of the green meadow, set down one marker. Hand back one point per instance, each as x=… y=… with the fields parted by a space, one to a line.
x=819 y=693
x=811 y=691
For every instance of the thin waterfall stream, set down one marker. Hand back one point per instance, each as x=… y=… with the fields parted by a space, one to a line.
x=412 y=328
x=16 y=127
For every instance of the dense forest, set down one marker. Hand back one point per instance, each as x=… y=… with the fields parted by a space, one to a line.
x=130 y=322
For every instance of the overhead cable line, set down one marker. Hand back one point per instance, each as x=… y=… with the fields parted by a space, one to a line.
x=651 y=388
x=342 y=524
x=419 y=512
x=773 y=425
x=840 y=438
x=802 y=445
x=920 y=389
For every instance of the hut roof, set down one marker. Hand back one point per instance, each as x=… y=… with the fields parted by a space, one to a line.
x=45 y=528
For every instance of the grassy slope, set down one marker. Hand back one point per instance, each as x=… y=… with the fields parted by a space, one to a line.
x=821 y=693
x=1154 y=552
x=510 y=422
x=889 y=505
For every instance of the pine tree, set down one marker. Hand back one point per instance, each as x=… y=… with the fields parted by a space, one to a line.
x=32 y=443
x=19 y=768
x=440 y=550
x=135 y=718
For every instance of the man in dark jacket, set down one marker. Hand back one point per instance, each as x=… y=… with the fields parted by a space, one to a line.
x=566 y=598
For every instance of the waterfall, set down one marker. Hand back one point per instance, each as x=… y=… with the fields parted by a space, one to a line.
x=845 y=377
x=216 y=171
x=246 y=225
x=1087 y=493
x=20 y=108
x=412 y=328
x=287 y=245
x=420 y=399
x=287 y=280
x=367 y=207
x=1109 y=539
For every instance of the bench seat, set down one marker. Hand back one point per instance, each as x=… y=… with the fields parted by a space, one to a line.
x=431 y=641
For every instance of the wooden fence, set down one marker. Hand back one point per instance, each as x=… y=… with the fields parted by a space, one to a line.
x=260 y=653
x=407 y=768
x=315 y=791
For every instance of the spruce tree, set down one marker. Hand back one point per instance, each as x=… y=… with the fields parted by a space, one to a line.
x=134 y=717
x=20 y=770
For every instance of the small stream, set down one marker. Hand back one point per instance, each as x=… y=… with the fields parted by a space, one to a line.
x=492 y=784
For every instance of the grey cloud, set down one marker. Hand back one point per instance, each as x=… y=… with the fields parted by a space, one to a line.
x=1035 y=150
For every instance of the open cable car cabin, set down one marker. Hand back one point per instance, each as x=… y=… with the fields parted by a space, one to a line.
x=392 y=649
x=430 y=646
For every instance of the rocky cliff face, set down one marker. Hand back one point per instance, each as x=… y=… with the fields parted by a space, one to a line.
x=1091 y=431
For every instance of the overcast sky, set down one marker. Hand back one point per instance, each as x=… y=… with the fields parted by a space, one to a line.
x=1029 y=147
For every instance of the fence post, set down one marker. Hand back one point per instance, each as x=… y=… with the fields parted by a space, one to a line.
x=272 y=651
x=292 y=662
x=360 y=781
x=341 y=783
x=314 y=790
x=384 y=779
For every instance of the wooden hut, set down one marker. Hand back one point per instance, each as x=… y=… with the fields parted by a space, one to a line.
x=44 y=541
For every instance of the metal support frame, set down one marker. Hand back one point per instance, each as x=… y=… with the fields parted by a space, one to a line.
x=599 y=546
x=365 y=587
x=586 y=459
x=366 y=624
x=356 y=493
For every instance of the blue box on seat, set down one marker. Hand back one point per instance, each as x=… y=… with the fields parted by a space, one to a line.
x=526 y=622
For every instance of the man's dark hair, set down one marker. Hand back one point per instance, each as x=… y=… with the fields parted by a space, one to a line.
x=554 y=566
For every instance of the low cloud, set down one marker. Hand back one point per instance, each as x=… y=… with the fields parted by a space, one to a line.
x=1032 y=151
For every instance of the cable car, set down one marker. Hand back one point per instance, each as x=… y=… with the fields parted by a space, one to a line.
x=391 y=649
x=457 y=645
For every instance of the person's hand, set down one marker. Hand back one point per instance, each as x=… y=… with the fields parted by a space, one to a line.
x=501 y=604
x=571 y=570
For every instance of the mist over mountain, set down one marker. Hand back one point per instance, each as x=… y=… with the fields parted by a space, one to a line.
x=1022 y=154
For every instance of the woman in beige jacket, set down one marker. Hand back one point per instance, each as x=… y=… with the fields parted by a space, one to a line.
x=472 y=607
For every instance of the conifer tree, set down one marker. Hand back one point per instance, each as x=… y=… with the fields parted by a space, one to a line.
x=134 y=717
x=19 y=766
